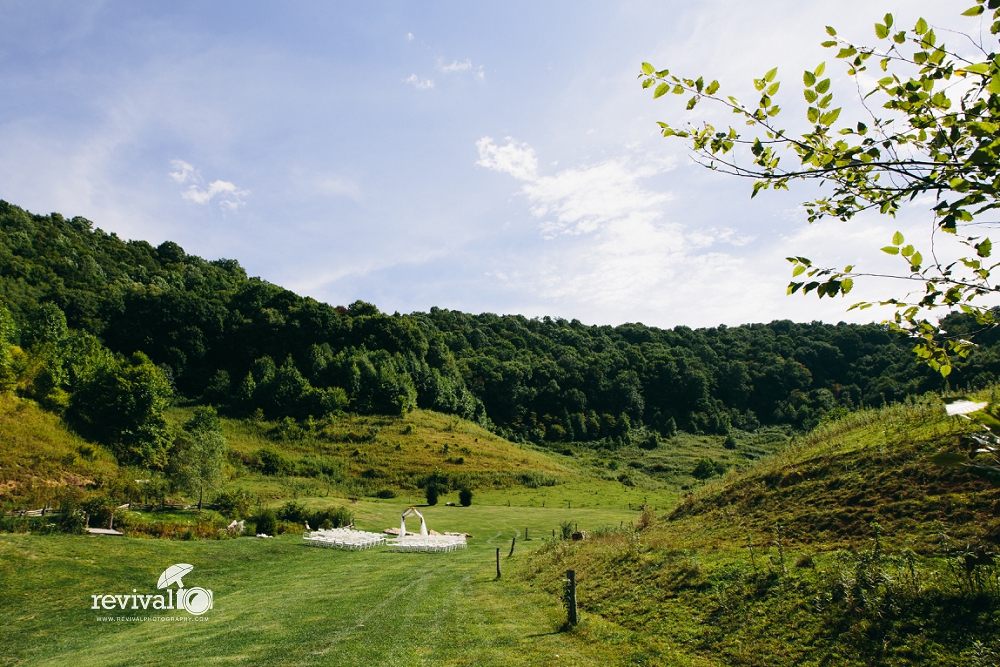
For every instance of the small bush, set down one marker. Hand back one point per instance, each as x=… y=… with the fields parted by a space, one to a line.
x=649 y=442
x=707 y=468
x=432 y=492
x=266 y=522
x=385 y=494
x=566 y=529
x=465 y=497
x=294 y=512
x=730 y=442
x=235 y=503
x=273 y=463
x=331 y=518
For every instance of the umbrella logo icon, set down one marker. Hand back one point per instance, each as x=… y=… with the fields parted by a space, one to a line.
x=195 y=600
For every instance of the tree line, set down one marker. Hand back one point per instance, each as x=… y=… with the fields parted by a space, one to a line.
x=105 y=331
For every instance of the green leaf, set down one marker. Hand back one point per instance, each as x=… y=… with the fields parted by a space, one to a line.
x=916 y=261
x=820 y=69
x=890 y=250
x=897 y=238
x=881 y=31
x=978 y=68
x=798 y=270
x=810 y=95
x=830 y=31
x=846 y=285
x=808 y=78
x=823 y=86
x=983 y=249
x=827 y=44
x=846 y=52
x=813 y=115
x=661 y=90
x=647 y=68
x=712 y=87
x=907 y=251
x=691 y=102
x=921 y=27
x=769 y=77
x=830 y=117
x=888 y=20
x=973 y=11
x=773 y=88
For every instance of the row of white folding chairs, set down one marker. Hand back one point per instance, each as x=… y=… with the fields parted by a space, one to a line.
x=344 y=539
x=432 y=543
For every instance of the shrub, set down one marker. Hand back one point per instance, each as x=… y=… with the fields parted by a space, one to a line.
x=331 y=518
x=235 y=503
x=649 y=442
x=465 y=496
x=386 y=493
x=266 y=522
x=432 y=493
x=294 y=512
x=273 y=463
x=730 y=442
x=706 y=468
x=566 y=529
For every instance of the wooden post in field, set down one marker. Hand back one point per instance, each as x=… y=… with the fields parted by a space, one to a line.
x=512 y=541
x=498 y=562
x=571 y=597
x=525 y=533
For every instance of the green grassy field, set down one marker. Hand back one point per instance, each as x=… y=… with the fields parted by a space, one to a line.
x=278 y=602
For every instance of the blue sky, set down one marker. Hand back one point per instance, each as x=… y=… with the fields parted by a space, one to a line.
x=483 y=157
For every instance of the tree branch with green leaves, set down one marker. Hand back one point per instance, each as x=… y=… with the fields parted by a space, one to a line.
x=935 y=131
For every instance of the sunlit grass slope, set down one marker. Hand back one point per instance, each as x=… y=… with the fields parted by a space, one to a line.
x=850 y=548
x=39 y=456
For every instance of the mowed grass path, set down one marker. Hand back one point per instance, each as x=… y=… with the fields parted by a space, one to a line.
x=278 y=602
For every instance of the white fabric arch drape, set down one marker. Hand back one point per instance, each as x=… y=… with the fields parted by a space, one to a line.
x=402 y=524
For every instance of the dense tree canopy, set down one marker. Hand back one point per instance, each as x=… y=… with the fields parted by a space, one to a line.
x=113 y=323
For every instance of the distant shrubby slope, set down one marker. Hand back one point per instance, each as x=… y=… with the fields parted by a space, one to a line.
x=246 y=345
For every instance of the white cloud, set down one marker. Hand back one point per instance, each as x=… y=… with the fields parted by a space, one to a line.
x=462 y=66
x=228 y=194
x=456 y=66
x=580 y=200
x=409 y=36
x=184 y=173
x=418 y=82
x=517 y=159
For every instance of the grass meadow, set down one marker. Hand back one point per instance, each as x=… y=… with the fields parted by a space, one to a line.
x=278 y=602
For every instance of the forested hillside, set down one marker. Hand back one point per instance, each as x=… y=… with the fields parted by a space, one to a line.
x=215 y=335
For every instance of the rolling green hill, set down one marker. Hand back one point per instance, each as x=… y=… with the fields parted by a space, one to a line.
x=849 y=548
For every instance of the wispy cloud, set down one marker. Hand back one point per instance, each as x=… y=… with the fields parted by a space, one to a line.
x=611 y=246
x=419 y=83
x=409 y=36
x=462 y=66
x=582 y=199
x=228 y=195
x=456 y=66
x=517 y=159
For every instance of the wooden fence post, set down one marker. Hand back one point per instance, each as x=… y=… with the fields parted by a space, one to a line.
x=498 y=562
x=571 y=597
x=512 y=541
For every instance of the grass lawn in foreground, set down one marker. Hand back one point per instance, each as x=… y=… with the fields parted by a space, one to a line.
x=278 y=602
